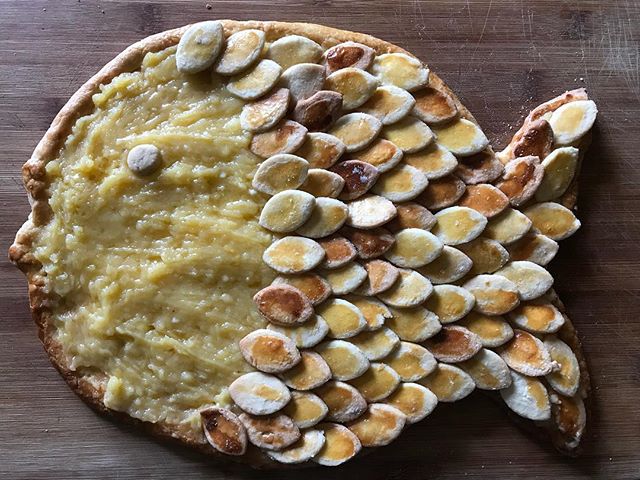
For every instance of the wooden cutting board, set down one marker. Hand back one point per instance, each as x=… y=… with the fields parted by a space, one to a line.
x=502 y=58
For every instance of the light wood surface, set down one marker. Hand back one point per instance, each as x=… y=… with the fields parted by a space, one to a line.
x=501 y=58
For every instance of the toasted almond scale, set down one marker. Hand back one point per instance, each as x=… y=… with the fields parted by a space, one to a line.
x=259 y=394
x=293 y=255
x=559 y=169
x=527 y=397
x=293 y=49
x=450 y=302
x=537 y=140
x=492 y=330
x=344 y=402
x=344 y=319
x=412 y=362
x=348 y=54
x=485 y=198
x=338 y=252
x=449 y=267
x=456 y=225
x=461 y=137
x=311 y=372
x=401 y=70
x=345 y=360
x=358 y=177
x=370 y=243
x=303 y=80
x=381 y=276
x=527 y=355
x=354 y=84
x=279 y=173
x=434 y=106
x=199 y=47
x=257 y=82
x=315 y=288
x=487 y=255
x=494 y=294
x=304 y=449
x=340 y=445
x=521 y=179
x=269 y=351
x=287 y=211
x=414 y=247
x=370 y=211
x=508 y=227
x=286 y=138
x=531 y=280
x=570 y=417
x=271 y=433
x=376 y=344
x=479 y=168
x=449 y=383
x=453 y=344
x=380 y=425
x=319 y=111
x=566 y=380
x=442 y=192
x=374 y=311
x=377 y=383
x=413 y=324
x=283 y=305
x=412 y=215
x=305 y=409
x=409 y=134
x=265 y=113
x=553 y=220
x=241 y=51
x=307 y=335
x=321 y=150
x=346 y=279
x=401 y=184
x=356 y=130
x=414 y=400
x=410 y=290
x=382 y=154
x=434 y=161
x=488 y=370
x=224 y=431
x=389 y=104
x=327 y=216
x=537 y=316
x=323 y=183
x=535 y=248
x=572 y=121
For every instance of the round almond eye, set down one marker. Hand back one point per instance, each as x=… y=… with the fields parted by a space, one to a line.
x=144 y=159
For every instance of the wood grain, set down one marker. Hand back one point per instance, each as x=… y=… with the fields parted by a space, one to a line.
x=501 y=58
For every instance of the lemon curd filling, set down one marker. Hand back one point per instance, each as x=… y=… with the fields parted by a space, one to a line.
x=155 y=275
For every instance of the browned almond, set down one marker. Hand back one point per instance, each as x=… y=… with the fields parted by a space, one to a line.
x=283 y=304
x=358 y=177
x=338 y=251
x=570 y=416
x=453 y=344
x=311 y=372
x=323 y=183
x=319 y=111
x=315 y=288
x=527 y=355
x=381 y=276
x=442 y=192
x=370 y=243
x=321 y=150
x=537 y=140
x=412 y=215
x=434 y=106
x=482 y=167
x=344 y=401
x=348 y=54
x=287 y=137
x=224 y=431
x=273 y=432
x=269 y=351
x=382 y=154
x=379 y=426
x=485 y=198
x=522 y=177
x=340 y=445
x=265 y=113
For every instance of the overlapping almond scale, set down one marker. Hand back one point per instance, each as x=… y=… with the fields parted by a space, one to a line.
x=311 y=372
x=327 y=216
x=401 y=184
x=376 y=344
x=314 y=287
x=482 y=167
x=412 y=215
x=323 y=183
x=286 y=137
x=434 y=106
x=370 y=211
x=358 y=178
x=379 y=425
x=488 y=370
x=553 y=220
x=242 y=49
x=410 y=290
x=527 y=397
x=461 y=137
x=305 y=409
x=389 y=104
x=269 y=351
x=356 y=130
x=224 y=431
x=442 y=192
x=537 y=316
x=344 y=318
x=344 y=402
x=283 y=305
x=199 y=47
x=487 y=255
x=414 y=400
x=414 y=247
x=287 y=210
x=457 y=225
x=382 y=154
x=293 y=255
x=270 y=432
x=354 y=84
x=338 y=251
x=346 y=279
x=536 y=141
x=527 y=355
x=413 y=324
x=449 y=383
x=377 y=383
x=258 y=393
x=348 y=54
x=345 y=360
x=520 y=180
x=409 y=134
x=450 y=266
x=531 y=279
x=508 y=227
x=256 y=82
x=319 y=111
x=570 y=417
x=381 y=276
x=559 y=169
x=411 y=361
x=306 y=335
x=340 y=445
x=321 y=150
x=453 y=344
x=434 y=161
x=534 y=247
x=566 y=380
x=279 y=173
x=401 y=70
x=572 y=121
x=293 y=49
x=303 y=80
x=303 y=450
x=485 y=198
x=370 y=243
x=495 y=294
x=450 y=303
x=265 y=113
x=493 y=330
x=374 y=311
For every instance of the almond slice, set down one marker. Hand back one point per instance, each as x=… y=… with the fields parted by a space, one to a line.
x=303 y=80
x=354 y=84
x=536 y=141
x=358 y=177
x=414 y=324
x=305 y=409
x=258 y=393
x=307 y=335
x=370 y=243
x=327 y=216
x=382 y=154
x=344 y=402
x=271 y=433
x=412 y=362
x=255 y=83
x=199 y=47
x=521 y=179
x=570 y=417
x=224 y=430
x=323 y=183
x=449 y=267
x=401 y=184
x=311 y=372
x=340 y=445
x=572 y=121
x=485 y=198
x=527 y=397
x=288 y=210
x=144 y=159
x=338 y=252
x=374 y=311
x=370 y=211
x=531 y=280
x=321 y=150
x=456 y=225
x=412 y=215
x=314 y=287
x=241 y=51
x=461 y=137
x=346 y=279
x=264 y=114
x=559 y=169
x=553 y=220
x=345 y=360
x=414 y=400
x=535 y=248
x=379 y=425
x=381 y=276
x=538 y=316
x=348 y=54
x=409 y=134
x=376 y=344
x=494 y=294
x=442 y=192
x=508 y=227
x=479 y=168
x=279 y=173
x=450 y=302
x=283 y=305
x=449 y=383
x=319 y=111
x=304 y=449
x=401 y=70
x=434 y=106
x=414 y=247
x=527 y=355
x=356 y=130
x=492 y=330
x=410 y=290
x=286 y=138
x=488 y=370
x=435 y=161
x=293 y=49
x=344 y=318
x=389 y=104
x=377 y=383
x=453 y=344
x=487 y=255
x=566 y=380
x=293 y=255
x=269 y=351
